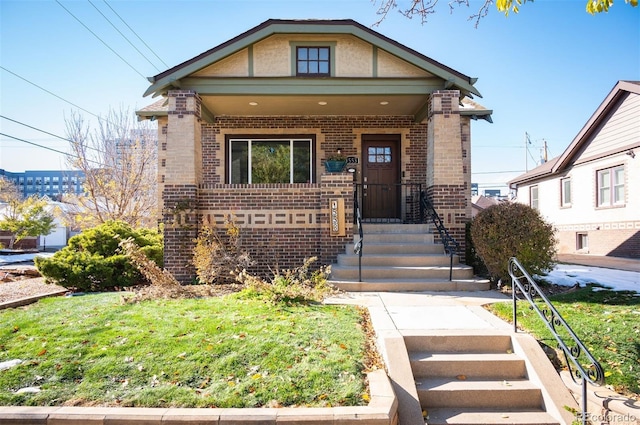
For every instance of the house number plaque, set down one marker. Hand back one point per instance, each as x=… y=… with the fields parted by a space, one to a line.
x=336 y=217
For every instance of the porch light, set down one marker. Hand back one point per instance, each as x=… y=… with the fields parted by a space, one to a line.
x=322 y=102
x=253 y=103
x=384 y=102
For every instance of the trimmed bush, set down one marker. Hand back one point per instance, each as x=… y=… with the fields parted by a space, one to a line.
x=512 y=229
x=471 y=255
x=92 y=261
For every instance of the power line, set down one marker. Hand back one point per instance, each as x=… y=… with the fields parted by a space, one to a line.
x=50 y=92
x=50 y=134
x=55 y=95
x=102 y=41
x=123 y=36
x=498 y=172
x=136 y=34
x=48 y=148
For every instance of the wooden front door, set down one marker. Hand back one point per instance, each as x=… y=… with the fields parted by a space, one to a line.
x=380 y=176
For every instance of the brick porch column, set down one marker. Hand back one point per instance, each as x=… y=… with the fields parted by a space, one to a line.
x=183 y=173
x=448 y=173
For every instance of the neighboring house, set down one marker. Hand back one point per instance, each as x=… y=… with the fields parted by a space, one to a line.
x=244 y=130
x=51 y=183
x=480 y=203
x=591 y=192
x=55 y=240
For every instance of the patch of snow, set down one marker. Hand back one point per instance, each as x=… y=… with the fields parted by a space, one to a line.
x=28 y=390
x=571 y=274
x=21 y=258
x=9 y=364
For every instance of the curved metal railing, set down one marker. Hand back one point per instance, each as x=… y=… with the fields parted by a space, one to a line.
x=357 y=247
x=451 y=246
x=580 y=362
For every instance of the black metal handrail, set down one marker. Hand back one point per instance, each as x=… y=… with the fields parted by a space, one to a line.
x=451 y=246
x=575 y=352
x=357 y=247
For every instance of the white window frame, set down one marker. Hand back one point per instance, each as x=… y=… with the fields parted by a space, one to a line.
x=610 y=187
x=582 y=241
x=565 y=192
x=534 y=200
x=250 y=140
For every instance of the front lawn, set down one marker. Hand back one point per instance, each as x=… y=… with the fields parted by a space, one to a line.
x=607 y=322
x=210 y=352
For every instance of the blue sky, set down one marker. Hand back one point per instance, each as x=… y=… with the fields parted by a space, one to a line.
x=543 y=71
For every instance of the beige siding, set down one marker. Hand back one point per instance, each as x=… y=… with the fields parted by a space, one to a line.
x=392 y=66
x=620 y=131
x=236 y=65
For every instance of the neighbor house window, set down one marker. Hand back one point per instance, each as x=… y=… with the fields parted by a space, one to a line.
x=533 y=197
x=270 y=160
x=610 y=184
x=582 y=241
x=565 y=192
x=313 y=61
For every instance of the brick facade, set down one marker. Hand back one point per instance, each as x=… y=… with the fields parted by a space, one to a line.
x=282 y=224
x=618 y=239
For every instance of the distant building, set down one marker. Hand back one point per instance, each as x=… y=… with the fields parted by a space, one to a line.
x=492 y=193
x=52 y=183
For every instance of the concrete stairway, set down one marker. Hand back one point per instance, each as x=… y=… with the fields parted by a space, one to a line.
x=474 y=379
x=402 y=257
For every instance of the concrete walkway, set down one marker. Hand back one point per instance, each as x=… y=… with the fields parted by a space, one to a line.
x=412 y=311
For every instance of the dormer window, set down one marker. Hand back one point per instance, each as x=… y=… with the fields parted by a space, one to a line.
x=313 y=61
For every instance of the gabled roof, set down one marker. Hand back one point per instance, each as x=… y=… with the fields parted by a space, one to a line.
x=561 y=163
x=454 y=79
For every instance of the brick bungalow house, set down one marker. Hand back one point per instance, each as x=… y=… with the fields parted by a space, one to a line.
x=244 y=129
x=590 y=192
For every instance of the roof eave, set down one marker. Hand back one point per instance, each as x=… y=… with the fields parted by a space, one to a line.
x=621 y=89
x=453 y=78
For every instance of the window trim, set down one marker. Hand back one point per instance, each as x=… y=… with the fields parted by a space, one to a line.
x=270 y=137
x=537 y=198
x=611 y=202
x=564 y=203
x=582 y=237
x=294 y=57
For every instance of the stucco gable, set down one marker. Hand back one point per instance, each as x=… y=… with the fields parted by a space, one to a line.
x=252 y=54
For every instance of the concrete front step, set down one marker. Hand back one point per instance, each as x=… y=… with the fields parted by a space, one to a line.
x=481 y=393
x=396 y=238
x=388 y=228
x=408 y=285
x=350 y=273
x=460 y=342
x=397 y=260
x=469 y=365
x=399 y=248
x=459 y=416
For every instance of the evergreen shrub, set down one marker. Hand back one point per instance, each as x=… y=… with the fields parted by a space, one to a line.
x=93 y=262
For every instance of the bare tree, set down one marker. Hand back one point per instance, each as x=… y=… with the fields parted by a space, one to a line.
x=119 y=160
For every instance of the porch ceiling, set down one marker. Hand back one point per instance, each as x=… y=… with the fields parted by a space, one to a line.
x=330 y=104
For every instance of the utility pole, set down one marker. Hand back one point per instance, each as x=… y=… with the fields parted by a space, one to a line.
x=527 y=142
